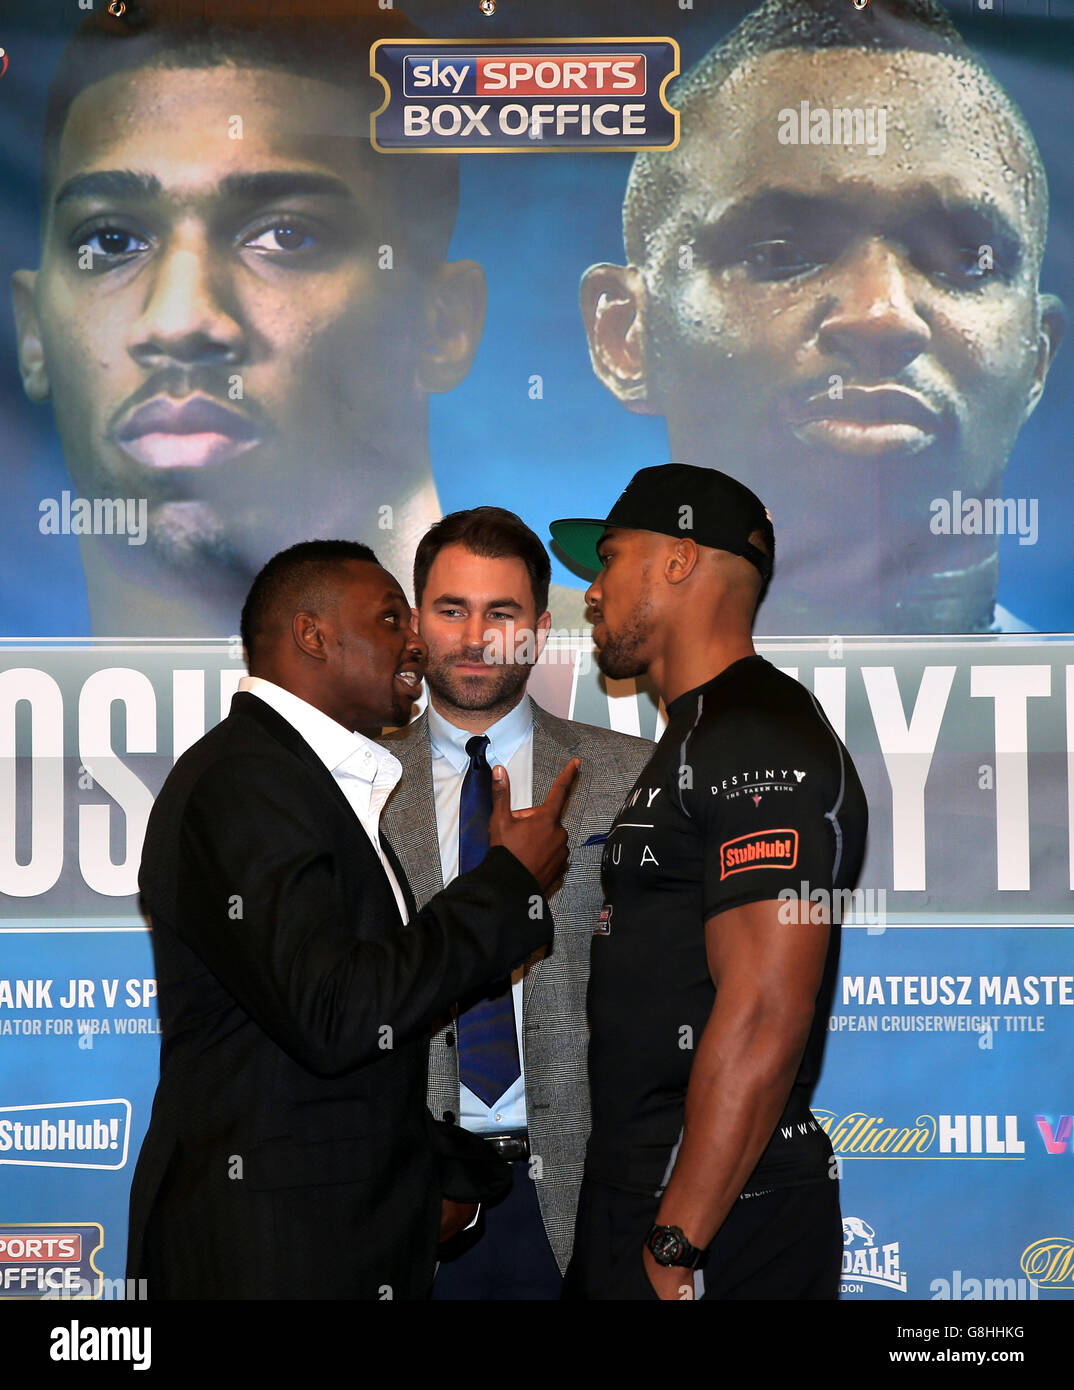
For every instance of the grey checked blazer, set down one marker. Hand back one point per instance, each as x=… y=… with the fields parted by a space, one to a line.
x=554 y=1031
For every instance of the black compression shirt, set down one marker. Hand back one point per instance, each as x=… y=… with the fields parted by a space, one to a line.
x=748 y=794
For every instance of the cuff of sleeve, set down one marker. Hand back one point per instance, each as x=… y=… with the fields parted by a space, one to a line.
x=511 y=876
x=511 y=872
x=524 y=916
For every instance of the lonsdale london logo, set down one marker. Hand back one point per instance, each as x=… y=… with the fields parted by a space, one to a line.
x=860 y=1134
x=869 y=1261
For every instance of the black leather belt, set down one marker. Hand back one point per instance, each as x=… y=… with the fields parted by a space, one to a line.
x=510 y=1146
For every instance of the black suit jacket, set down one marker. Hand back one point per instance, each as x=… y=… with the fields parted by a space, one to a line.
x=290 y=1153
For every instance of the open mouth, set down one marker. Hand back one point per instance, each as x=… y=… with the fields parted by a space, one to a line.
x=408 y=680
x=191 y=433
x=866 y=421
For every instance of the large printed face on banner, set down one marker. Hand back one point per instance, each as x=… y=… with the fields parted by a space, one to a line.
x=834 y=296
x=853 y=326
x=831 y=291
x=236 y=321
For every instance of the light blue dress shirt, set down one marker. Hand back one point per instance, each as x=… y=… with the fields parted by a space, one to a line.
x=510 y=746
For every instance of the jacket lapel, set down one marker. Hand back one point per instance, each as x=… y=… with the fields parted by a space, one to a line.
x=554 y=744
x=409 y=820
x=400 y=878
x=245 y=705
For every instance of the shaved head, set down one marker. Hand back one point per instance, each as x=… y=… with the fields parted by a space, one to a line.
x=304 y=578
x=837 y=274
x=663 y=185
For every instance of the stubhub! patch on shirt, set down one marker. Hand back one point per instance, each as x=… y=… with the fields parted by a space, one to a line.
x=760 y=849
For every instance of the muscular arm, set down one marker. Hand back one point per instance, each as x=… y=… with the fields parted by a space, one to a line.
x=767 y=974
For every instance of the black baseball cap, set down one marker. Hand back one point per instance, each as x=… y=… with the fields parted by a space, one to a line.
x=676 y=499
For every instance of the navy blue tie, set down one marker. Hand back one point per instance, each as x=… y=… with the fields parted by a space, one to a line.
x=488 y=1046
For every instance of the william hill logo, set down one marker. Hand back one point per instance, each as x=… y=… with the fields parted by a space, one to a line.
x=858 y=1134
x=1050 y=1262
x=760 y=849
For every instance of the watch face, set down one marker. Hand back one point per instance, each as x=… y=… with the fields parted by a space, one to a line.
x=666 y=1247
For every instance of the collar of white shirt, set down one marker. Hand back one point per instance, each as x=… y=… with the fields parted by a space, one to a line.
x=505 y=737
x=343 y=752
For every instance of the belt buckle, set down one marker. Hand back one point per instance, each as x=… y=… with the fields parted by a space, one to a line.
x=514 y=1147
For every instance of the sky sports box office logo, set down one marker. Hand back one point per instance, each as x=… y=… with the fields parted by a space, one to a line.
x=492 y=97
x=50 y=1259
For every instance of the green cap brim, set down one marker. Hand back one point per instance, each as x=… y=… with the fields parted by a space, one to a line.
x=577 y=537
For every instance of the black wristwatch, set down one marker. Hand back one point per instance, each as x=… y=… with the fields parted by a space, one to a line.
x=668 y=1246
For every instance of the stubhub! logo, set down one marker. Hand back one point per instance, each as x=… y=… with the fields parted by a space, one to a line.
x=534 y=75
x=66 y=1134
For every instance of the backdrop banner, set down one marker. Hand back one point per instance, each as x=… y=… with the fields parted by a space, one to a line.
x=295 y=271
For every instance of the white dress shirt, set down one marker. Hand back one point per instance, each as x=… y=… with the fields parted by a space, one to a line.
x=510 y=746
x=365 y=772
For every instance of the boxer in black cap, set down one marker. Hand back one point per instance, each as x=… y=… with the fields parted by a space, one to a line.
x=712 y=968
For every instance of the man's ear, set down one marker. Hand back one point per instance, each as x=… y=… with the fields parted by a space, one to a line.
x=613 y=308
x=309 y=636
x=454 y=317
x=31 y=349
x=681 y=560
x=1053 y=322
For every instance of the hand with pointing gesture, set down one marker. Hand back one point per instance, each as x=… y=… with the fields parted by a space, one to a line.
x=533 y=835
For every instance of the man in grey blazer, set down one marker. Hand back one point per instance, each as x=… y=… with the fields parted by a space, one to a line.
x=511 y=1067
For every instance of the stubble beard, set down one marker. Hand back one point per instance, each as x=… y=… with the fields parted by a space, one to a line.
x=476 y=693
x=621 y=655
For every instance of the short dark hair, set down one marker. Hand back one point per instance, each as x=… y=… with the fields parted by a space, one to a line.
x=302 y=577
x=329 y=40
x=921 y=26
x=492 y=532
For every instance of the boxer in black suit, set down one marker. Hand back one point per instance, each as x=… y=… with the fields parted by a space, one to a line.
x=290 y=1153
